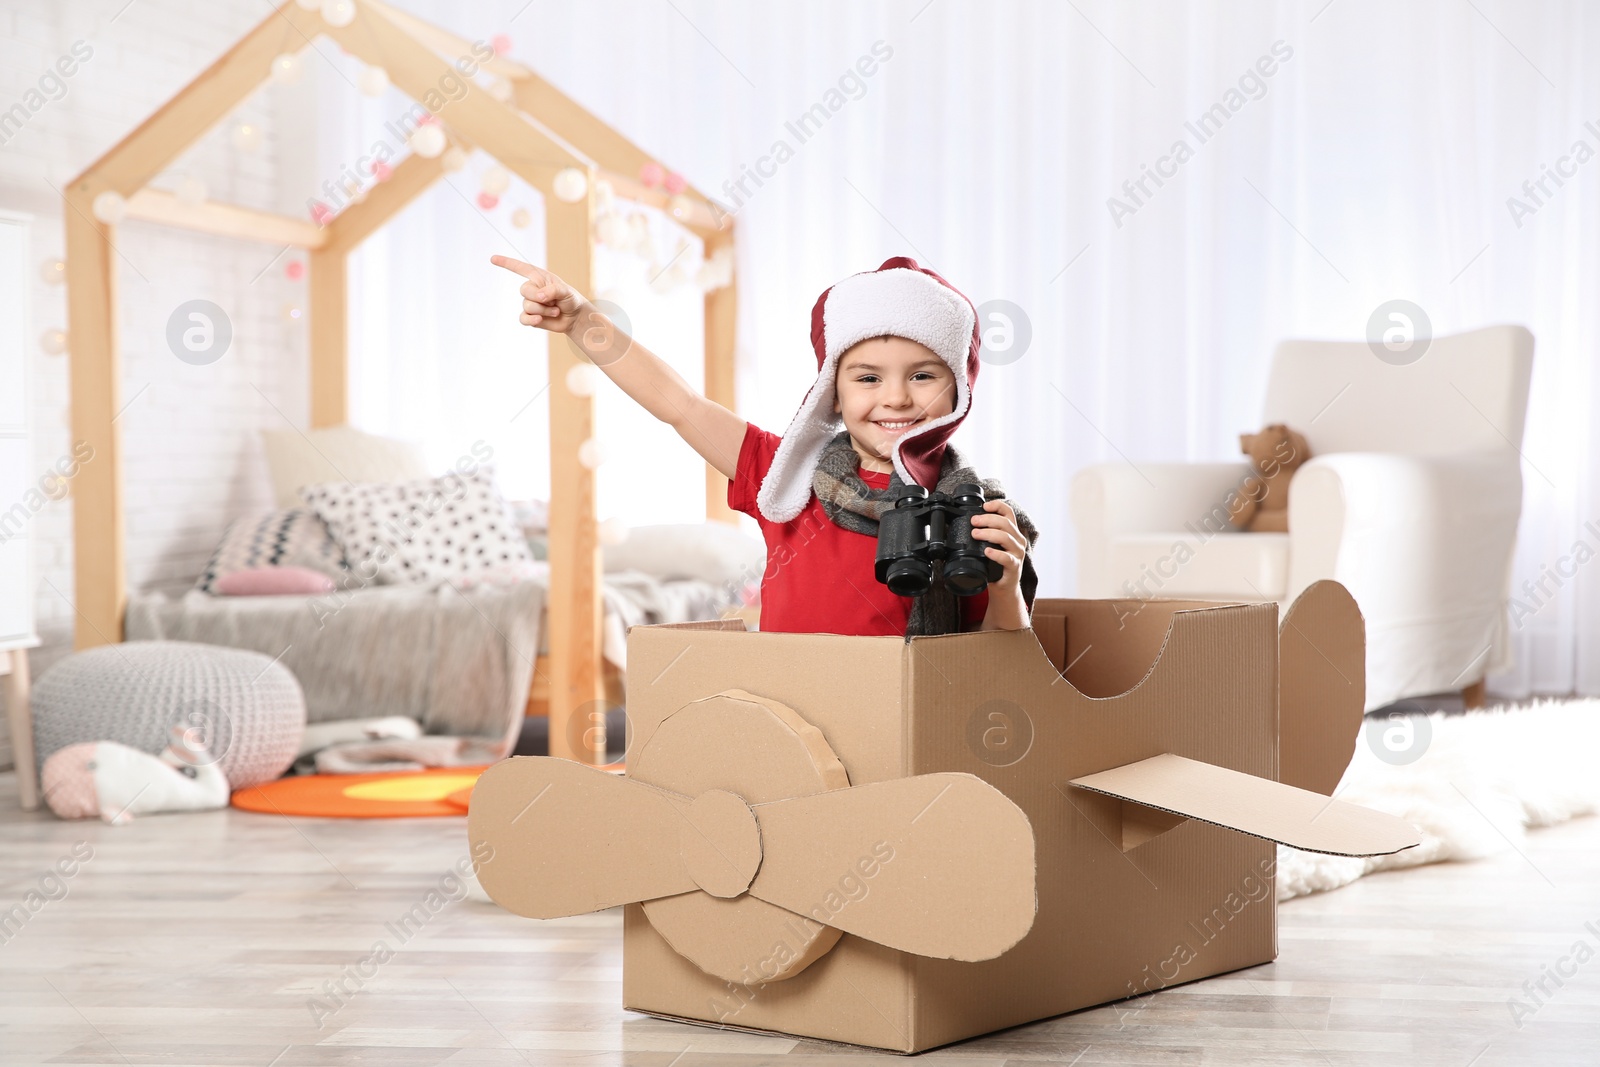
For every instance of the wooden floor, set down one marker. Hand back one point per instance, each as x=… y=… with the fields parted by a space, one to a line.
x=216 y=938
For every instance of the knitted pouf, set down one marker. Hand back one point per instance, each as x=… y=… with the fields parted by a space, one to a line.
x=246 y=708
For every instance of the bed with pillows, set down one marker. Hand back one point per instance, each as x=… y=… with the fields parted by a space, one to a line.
x=389 y=592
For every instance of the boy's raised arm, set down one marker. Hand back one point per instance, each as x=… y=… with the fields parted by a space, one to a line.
x=551 y=304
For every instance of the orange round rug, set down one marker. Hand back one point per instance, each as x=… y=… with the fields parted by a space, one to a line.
x=390 y=795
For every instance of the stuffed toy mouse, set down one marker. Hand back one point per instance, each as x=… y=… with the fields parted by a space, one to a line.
x=115 y=782
x=1262 y=502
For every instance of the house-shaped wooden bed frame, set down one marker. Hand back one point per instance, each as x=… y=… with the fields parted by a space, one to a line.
x=536 y=133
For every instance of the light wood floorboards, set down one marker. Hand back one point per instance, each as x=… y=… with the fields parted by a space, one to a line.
x=206 y=938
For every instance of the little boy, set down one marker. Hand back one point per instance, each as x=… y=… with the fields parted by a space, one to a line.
x=897 y=356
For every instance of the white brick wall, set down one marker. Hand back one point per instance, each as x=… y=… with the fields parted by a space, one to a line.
x=190 y=457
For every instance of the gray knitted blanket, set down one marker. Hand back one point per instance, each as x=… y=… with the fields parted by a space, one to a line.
x=459 y=663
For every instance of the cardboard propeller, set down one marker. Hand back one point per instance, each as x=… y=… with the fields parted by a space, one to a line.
x=760 y=841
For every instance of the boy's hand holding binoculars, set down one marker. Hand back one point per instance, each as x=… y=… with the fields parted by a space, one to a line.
x=1007 y=546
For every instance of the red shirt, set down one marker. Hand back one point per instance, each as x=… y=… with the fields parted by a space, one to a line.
x=819 y=576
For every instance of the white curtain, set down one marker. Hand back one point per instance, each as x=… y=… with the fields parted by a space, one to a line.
x=1375 y=161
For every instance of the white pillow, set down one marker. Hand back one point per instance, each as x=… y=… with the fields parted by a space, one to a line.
x=336 y=454
x=418 y=533
x=711 y=551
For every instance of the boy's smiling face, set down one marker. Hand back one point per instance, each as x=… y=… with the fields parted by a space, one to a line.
x=886 y=386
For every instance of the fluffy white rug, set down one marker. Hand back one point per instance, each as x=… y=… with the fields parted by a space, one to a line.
x=1484 y=778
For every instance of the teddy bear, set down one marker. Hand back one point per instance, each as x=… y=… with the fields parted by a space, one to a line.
x=1261 y=502
x=116 y=782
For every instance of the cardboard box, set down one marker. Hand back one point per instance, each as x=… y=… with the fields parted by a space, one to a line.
x=931 y=839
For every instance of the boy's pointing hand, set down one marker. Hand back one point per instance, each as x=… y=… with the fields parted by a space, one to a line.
x=547 y=302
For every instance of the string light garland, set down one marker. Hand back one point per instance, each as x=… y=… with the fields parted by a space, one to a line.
x=286 y=68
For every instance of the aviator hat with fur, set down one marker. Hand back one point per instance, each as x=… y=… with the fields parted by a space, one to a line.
x=899 y=299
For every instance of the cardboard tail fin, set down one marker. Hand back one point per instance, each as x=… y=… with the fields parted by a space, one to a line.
x=1254 y=806
x=1322 y=687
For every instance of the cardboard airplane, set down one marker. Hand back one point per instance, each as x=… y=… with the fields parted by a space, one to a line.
x=905 y=843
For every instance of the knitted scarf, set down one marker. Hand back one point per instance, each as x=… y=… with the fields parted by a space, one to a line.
x=853 y=505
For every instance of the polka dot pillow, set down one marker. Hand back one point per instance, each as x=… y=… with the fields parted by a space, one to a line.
x=421 y=532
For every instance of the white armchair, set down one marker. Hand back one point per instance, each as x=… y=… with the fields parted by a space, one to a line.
x=1410 y=500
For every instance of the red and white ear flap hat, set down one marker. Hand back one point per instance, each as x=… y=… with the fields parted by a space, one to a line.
x=899 y=299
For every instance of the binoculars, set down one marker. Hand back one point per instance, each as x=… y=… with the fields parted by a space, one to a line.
x=923 y=527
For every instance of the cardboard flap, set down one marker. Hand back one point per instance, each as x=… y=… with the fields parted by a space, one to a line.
x=565 y=839
x=737 y=625
x=1322 y=687
x=941 y=865
x=1254 y=806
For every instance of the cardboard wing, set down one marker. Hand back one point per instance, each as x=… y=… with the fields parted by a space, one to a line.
x=568 y=839
x=1283 y=813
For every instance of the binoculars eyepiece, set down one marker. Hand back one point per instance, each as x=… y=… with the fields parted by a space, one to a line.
x=923 y=527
